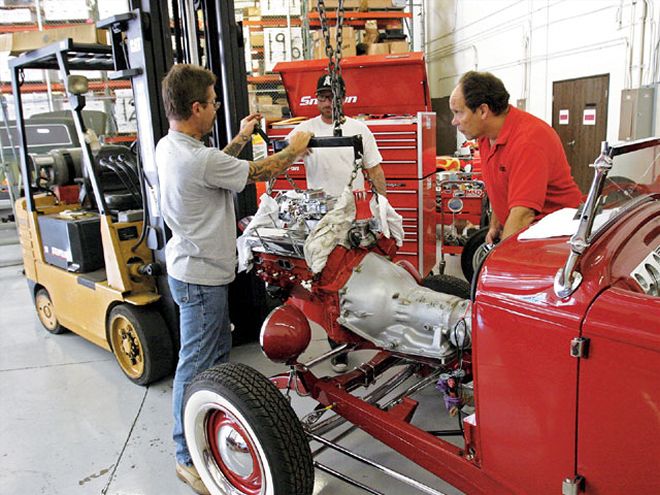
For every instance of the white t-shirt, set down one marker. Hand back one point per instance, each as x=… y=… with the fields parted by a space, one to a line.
x=196 y=186
x=330 y=168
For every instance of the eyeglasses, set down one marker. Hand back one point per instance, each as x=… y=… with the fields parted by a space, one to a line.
x=216 y=104
x=324 y=97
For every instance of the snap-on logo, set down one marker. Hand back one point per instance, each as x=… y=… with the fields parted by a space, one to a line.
x=306 y=101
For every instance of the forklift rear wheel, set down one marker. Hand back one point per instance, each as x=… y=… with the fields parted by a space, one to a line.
x=448 y=285
x=46 y=312
x=474 y=253
x=243 y=436
x=140 y=341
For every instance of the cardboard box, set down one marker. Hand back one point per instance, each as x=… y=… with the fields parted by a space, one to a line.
x=272 y=112
x=398 y=46
x=65 y=10
x=25 y=41
x=362 y=5
x=257 y=39
x=347 y=42
x=17 y=16
x=332 y=4
x=378 y=49
x=252 y=13
x=281 y=7
x=386 y=4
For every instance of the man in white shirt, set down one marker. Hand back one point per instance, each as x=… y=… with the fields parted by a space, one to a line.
x=330 y=169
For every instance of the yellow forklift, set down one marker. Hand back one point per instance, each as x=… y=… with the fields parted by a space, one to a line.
x=83 y=233
x=95 y=258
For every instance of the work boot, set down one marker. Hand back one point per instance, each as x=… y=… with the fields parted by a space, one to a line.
x=339 y=362
x=190 y=476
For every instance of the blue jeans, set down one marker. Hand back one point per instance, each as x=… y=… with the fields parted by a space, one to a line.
x=205 y=342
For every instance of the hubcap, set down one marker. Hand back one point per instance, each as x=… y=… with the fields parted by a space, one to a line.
x=234 y=453
x=45 y=311
x=127 y=347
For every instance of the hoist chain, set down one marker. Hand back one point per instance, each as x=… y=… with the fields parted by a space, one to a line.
x=334 y=63
x=334 y=70
x=292 y=183
x=357 y=166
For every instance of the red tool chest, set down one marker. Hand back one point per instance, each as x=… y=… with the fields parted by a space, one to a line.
x=405 y=135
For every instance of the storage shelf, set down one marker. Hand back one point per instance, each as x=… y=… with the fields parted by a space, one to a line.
x=265 y=79
x=295 y=22
x=59 y=87
x=359 y=18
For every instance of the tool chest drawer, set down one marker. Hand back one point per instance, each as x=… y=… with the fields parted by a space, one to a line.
x=403 y=193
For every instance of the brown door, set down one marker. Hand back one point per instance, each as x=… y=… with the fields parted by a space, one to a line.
x=579 y=115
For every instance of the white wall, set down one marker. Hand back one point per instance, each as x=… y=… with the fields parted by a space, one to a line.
x=529 y=44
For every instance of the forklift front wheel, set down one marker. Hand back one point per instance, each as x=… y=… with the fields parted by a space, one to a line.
x=46 y=312
x=140 y=342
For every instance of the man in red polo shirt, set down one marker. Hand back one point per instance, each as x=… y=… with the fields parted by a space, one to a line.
x=524 y=165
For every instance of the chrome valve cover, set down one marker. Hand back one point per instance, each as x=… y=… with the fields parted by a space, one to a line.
x=307 y=209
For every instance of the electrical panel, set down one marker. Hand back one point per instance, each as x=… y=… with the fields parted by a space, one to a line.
x=636 y=119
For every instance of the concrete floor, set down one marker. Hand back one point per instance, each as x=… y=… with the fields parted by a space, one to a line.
x=73 y=424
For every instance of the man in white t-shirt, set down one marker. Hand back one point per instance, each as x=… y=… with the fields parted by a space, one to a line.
x=330 y=168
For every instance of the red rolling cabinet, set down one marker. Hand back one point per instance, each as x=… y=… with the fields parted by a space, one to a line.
x=406 y=138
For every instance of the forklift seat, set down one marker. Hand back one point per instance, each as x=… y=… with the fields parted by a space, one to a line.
x=117 y=171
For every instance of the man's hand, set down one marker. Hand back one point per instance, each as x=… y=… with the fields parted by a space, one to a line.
x=493 y=234
x=494 y=229
x=248 y=124
x=276 y=164
x=243 y=137
x=299 y=141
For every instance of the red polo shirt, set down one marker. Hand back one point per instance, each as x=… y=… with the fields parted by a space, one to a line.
x=527 y=167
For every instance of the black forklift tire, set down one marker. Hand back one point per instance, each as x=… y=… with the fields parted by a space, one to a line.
x=473 y=253
x=140 y=342
x=265 y=449
x=46 y=312
x=447 y=285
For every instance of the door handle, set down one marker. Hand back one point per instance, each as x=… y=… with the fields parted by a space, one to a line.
x=571 y=143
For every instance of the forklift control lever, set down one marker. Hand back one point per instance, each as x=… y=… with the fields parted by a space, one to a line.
x=258 y=130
